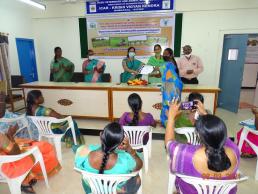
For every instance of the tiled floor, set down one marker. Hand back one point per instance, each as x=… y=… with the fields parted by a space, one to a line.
x=155 y=182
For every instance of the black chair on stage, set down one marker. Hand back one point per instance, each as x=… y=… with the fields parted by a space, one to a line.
x=106 y=77
x=78 y=77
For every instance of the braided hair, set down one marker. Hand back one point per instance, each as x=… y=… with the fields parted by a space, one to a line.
x=111 y=137
x=213 y=134
x=135 y=103
x=55 y=50
x=32 y=96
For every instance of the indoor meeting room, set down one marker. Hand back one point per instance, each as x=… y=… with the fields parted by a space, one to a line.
x=128 y=97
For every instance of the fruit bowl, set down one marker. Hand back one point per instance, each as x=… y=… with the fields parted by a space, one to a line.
x=137 y=82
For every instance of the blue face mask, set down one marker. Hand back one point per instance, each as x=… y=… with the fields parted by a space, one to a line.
x=131 y=54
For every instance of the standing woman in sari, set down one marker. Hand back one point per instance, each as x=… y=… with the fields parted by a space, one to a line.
x=131 y=66
x=34 y=108
x=156 y=61
x=61 y=68
x=171 y=83
x=93 y=68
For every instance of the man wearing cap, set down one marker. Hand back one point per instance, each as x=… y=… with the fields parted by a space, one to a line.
x=190 y=66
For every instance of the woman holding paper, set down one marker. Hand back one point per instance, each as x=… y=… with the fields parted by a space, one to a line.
x=131 y=66
x=156 y=61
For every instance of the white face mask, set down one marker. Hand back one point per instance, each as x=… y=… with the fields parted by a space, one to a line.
x=196 y=115
x=131 y=54
x=91 y=57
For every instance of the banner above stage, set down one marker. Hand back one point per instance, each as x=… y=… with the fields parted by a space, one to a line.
x=118 y=6
x=111 y=37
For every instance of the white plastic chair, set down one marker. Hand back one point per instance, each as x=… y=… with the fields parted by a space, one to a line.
x=44 y=126
x=193 y=139
x=22 y=119
x=15 y=183
x=211 y=186
x=135 y=135
x=105 y=183
x=243 y=137
x=190 y=134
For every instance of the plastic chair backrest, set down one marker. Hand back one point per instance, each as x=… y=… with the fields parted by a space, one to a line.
x=105 y=183
x=210 y=186
x=191 y=135
x=135 y=134
x=44 y=123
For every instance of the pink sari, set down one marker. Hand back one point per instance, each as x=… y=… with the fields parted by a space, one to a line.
x=246 y=148
x=92 y=70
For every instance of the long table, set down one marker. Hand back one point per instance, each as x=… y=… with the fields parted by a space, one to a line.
x=108 y=100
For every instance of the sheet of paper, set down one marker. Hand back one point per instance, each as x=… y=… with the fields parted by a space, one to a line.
x=249 y=123
x=146 y=69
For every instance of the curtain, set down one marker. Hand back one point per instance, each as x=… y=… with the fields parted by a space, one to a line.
x=4 y=62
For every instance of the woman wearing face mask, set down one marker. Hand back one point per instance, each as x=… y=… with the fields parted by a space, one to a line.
x=171 y=83
x=156 y=61
x=131 y=66
x=93 y=68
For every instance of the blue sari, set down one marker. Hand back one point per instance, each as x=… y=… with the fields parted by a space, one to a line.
x=172 y=86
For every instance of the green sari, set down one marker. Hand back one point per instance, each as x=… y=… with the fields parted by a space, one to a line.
x=156 y=63
x=62 y=75
x=182 y=121
x=133 y=65
x=59 y=128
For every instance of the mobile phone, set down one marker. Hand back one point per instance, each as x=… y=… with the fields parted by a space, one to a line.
x=188 y=105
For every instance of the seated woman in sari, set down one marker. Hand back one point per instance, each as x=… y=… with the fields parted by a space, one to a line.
x=34 y=108
x=187 y=118
x=171 y=83
x=113 y=156
x=216 y=158
x=93 y=68
x=21 y=134
x=246 y=150
x=13 y=146
x=131 y=66
x=137 y=117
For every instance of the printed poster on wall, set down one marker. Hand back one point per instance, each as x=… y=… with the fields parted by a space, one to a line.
x=252 y=50
x=112 y=37
x=117 y=6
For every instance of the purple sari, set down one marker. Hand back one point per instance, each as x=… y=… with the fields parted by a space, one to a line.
x=148 y=120
x=181 y=161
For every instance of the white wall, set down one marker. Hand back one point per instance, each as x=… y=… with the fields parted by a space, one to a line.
x=204 y=24
x=15 y=19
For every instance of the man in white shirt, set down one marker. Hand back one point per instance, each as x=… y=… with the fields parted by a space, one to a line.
x=190 y=66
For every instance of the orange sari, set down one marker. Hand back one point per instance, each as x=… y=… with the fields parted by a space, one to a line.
x=17 y=168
